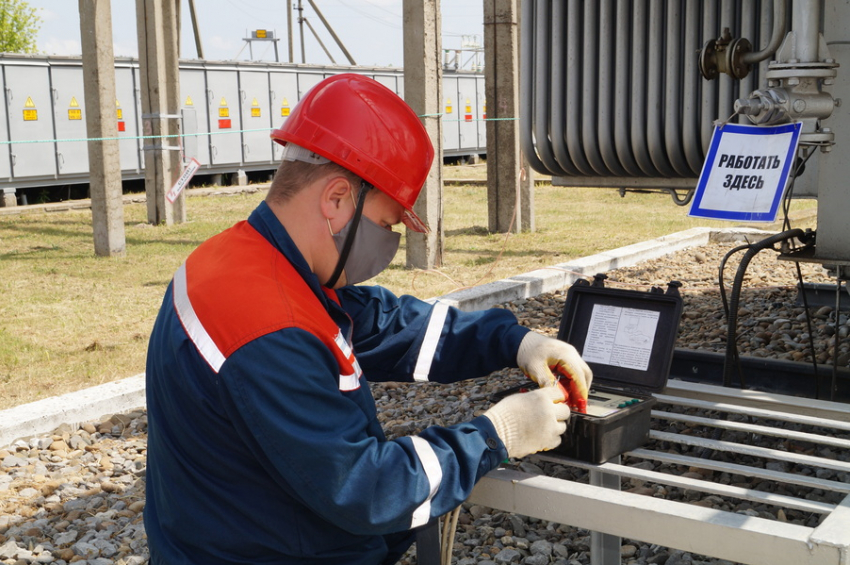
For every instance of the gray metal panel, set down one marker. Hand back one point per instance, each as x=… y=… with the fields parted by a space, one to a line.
x=284 y=95
x=225 y=122
x=306 y=81
x=256 y=116
x=193 y=89
x=30 y=118
x=387 y=80
x=5 y=158
x=451 y=126
x=72 y=157
x=467 y=109
x=127 y=100
x=481 y=109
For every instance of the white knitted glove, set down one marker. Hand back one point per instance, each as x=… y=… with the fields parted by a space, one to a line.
x=529 y=422
x=537 y=353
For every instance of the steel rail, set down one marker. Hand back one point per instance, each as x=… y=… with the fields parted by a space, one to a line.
x=779 y=500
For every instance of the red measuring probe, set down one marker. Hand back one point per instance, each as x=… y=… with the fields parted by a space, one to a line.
x=572 y=396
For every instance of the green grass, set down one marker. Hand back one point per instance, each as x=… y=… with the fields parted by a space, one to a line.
x=69 y=319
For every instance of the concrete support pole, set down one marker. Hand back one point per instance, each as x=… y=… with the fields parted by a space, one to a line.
x=104 y=162
x=423 y=91
x=509 y=199
x=158 y=50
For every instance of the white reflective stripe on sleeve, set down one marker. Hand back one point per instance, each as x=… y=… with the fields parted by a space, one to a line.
x=348 y=383
x=194 y=329
x=429 y=344
x=342 y=344
x=433 y=471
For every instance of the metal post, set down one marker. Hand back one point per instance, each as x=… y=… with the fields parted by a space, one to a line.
x=605 y=548
x=301 y=30
x=319 y=40
x=289 y=27
x=508 y=204
x=423 y=86
x=158 y=37
x=198 y=47
x=104 y=162
x=332 y=32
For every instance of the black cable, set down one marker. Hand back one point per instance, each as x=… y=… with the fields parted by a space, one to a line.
x=731 y=331
x=721 y=284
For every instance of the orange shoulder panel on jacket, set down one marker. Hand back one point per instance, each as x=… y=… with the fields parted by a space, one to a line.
x=242 y=288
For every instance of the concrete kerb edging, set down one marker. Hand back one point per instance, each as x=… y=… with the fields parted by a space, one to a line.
x=43 y=416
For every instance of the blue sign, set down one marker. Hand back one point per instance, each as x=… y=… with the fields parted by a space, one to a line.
x=745 y=172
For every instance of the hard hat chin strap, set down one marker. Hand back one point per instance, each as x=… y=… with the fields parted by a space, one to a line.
x=349 y=238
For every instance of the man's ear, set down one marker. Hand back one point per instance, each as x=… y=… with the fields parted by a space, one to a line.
x=334 y=198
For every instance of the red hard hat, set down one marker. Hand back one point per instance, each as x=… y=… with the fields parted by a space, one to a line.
x=360 y=124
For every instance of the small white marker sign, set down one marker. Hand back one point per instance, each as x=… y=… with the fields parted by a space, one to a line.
x=191 y=168
x=745 y=172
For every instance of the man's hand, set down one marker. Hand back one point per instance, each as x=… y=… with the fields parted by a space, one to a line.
x=531 y=421
x=537 y=353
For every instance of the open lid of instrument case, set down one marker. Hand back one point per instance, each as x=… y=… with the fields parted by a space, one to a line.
x=625 y=336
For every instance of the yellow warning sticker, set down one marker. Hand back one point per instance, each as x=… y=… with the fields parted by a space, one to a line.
x=189 y=101
x=73 y=103
x=29 y=103
x=223 y=113
x=255 y=113
x=284 y=110
x=449 y=106
x=223 y=102
x=119 y=113
x=254 y=102
x=75 y=114
x=30 y=115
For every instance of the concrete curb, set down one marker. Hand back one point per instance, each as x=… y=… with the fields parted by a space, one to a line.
x=43 y=416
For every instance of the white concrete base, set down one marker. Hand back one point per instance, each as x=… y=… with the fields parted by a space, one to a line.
x=90 y=404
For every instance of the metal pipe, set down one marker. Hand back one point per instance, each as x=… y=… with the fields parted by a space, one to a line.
x=709 y=88
x=727 y=91
x=590 y=91
x=542 y=101
x=607 y=57
x=805 y=21
x=574 y=107
x=639 y=90
x=623 y=90
x=526 y=80
x=775 y=37
x=655 y=119
x=691 y=92
x=557 y=88
x=674 y=91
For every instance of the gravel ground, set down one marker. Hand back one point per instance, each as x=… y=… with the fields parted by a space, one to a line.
x=77 y=495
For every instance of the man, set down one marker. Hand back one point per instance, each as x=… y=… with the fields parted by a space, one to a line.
x=264 y=444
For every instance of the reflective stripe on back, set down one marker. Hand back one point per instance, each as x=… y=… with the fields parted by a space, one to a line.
x=193 y=326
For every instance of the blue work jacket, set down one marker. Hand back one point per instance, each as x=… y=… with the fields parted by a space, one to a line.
x=264 y=443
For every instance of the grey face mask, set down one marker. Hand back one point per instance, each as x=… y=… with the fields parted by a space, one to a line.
x=372 y=251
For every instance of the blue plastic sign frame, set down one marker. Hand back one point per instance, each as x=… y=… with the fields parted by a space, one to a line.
x=745 y=172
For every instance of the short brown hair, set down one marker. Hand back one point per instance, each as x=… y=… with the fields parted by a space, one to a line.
x=292 y=176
